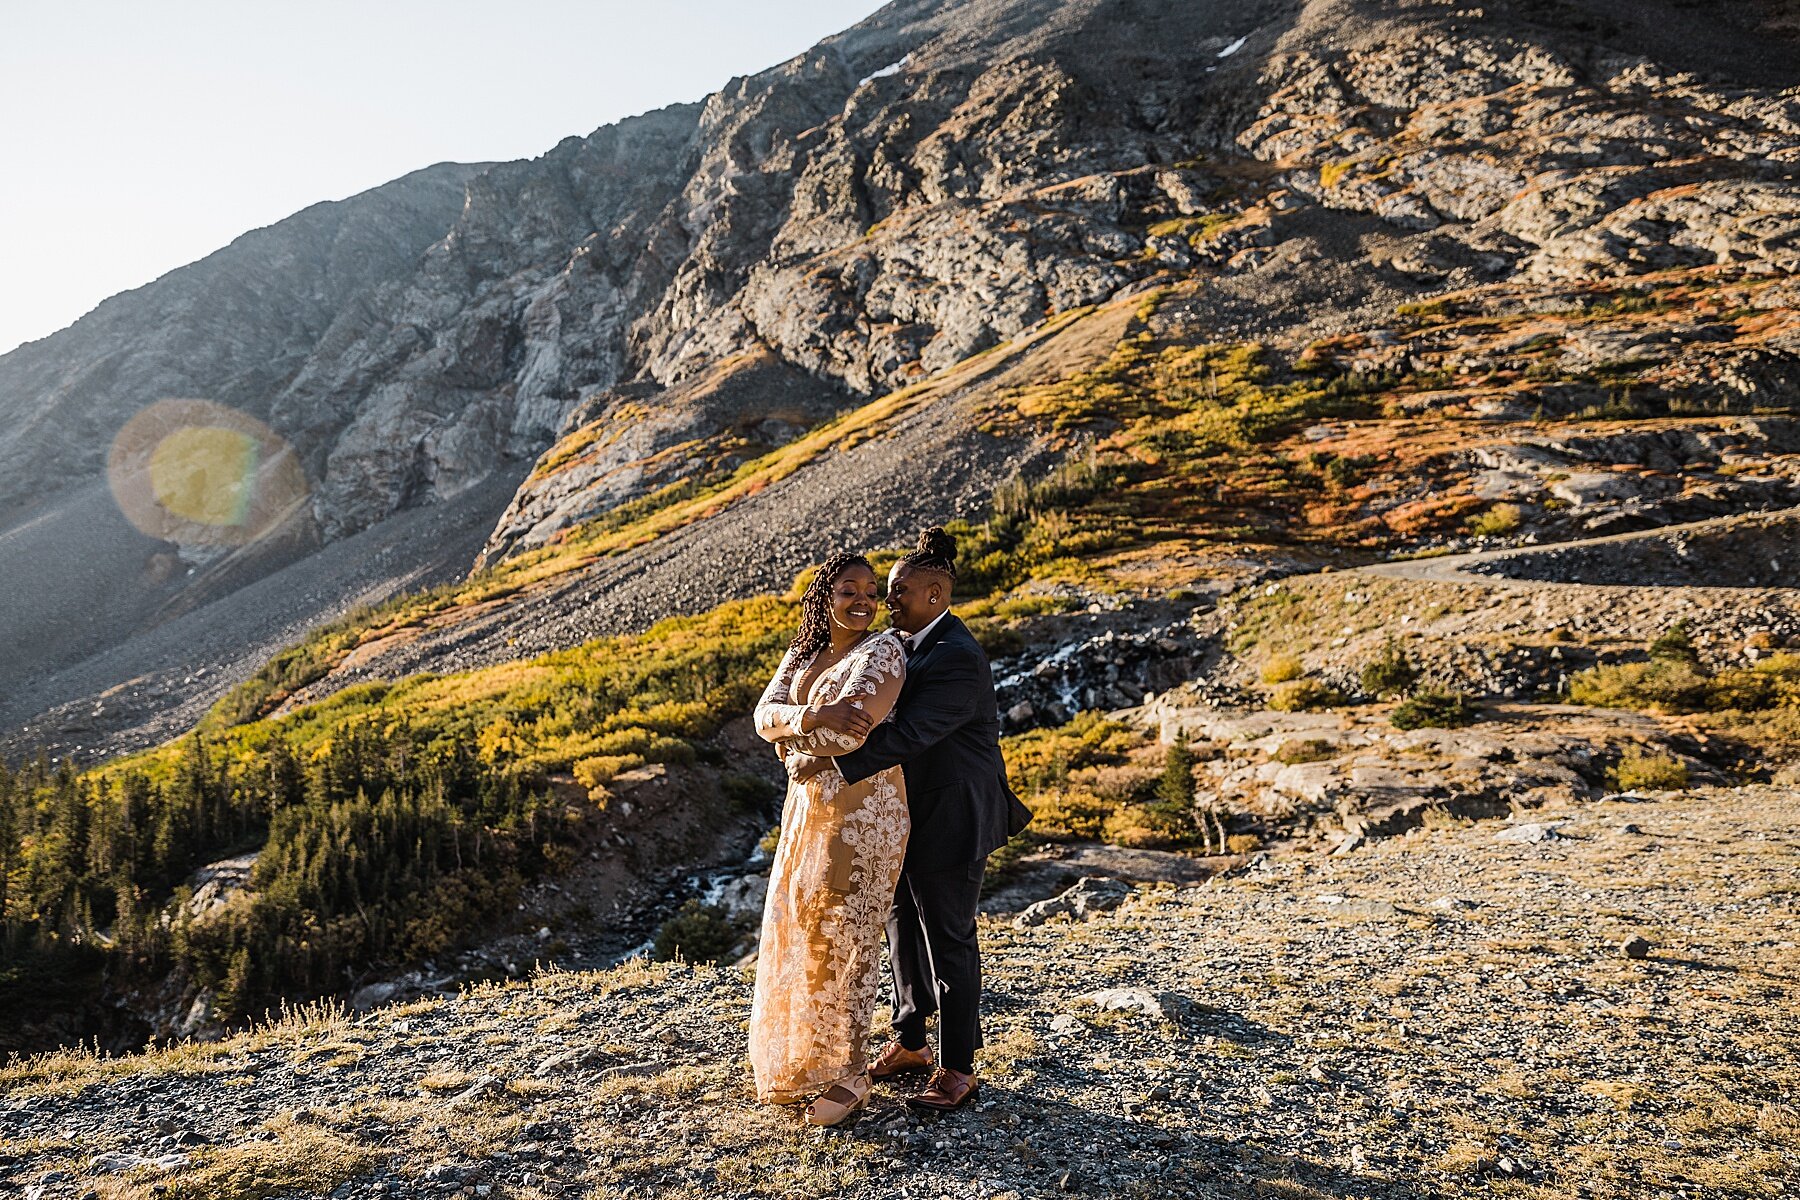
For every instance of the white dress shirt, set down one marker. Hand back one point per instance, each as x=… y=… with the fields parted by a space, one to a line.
x=909 y=640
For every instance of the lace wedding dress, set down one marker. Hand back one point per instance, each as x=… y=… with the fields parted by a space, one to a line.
x=832 y=882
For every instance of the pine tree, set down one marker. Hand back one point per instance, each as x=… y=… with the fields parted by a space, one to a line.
x=1175 y=790
x=234 y=996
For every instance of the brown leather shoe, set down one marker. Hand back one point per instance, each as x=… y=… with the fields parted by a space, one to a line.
x=896 y=1059
x=946 y=1091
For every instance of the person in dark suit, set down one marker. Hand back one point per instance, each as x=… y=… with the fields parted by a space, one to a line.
x=945 y=736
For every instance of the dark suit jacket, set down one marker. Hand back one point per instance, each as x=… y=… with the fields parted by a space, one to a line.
x=945 y=736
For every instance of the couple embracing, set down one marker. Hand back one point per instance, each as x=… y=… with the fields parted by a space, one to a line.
x=896 y=796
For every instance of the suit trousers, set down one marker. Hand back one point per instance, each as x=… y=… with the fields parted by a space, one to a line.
x=936 y=962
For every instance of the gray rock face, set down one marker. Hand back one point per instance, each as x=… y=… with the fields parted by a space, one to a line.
x=908 y=192
x=1087 y=897
x=76 y=578
x=231 y=328
x=479 y=354
x=1522 y=155
x=882 y=222
x=863 y=227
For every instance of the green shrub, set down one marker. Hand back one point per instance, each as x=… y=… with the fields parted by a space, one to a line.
x=1100 y=780
x=1304 y=694
x=1175 y=787
x=996 y=639
x=1675 y=645
x=698 y=933
x=1068 y=814
x=1497 y=521
x=1341 y=472
x=600 y=769
x=747 y=792
x=1664 y=684
x=1434 y=710
x=1672 y=681
x=1783 y=673
x=1042 y=759
x=1282 y=668
x=1743 y=691
x=1032 y=524
x=1651 y=772
x=1147 y=827
x=1304 y=750
x=770 y=841
x=1167 y=820
x=1391 y=673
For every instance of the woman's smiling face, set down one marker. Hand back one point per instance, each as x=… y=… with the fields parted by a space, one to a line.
x=855 y=598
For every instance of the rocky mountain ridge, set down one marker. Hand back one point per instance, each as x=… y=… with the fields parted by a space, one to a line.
x=671 y=297
x=232 y=328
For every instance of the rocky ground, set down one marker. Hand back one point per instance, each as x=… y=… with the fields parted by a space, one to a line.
x=1339 y=777
x=1597 y=999
x=1516 y=622
x=1753 y=552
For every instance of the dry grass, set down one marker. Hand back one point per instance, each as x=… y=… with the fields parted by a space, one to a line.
x=302 y=1157
x=66 y=1072
x=446 y=1081
x=1626 y=1097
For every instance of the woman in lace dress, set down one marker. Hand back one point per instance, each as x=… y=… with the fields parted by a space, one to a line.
x=832 y=882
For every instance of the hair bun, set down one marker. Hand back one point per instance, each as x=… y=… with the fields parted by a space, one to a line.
x=935 y=543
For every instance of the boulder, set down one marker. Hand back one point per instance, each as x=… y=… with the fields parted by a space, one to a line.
x=1090 y=895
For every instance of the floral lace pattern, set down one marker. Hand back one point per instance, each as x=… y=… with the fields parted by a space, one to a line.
x=818 y=971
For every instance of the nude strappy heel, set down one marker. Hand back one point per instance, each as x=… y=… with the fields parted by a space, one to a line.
x=838 y=1103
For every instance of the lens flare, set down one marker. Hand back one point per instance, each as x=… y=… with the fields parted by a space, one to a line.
x=200 y=474
x=205 y=475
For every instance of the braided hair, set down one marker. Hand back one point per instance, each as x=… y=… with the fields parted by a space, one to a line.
x=936 y=552
x=815 y=603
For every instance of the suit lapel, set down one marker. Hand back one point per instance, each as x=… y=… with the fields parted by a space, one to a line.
x=918 y=660
x=937 y=635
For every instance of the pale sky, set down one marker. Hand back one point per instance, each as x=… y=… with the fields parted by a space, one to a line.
x=139 y=135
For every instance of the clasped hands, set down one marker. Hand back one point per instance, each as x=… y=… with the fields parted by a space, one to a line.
x=842 y=717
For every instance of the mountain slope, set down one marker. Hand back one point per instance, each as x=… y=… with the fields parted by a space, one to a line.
x=232 y=327
x=678 y=298
x=76 y=576
x=1624 y=255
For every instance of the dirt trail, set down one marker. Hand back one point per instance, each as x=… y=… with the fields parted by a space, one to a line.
x=1617 y=557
